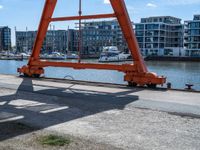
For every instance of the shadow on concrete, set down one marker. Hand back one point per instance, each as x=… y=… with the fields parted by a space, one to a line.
x=42 y=106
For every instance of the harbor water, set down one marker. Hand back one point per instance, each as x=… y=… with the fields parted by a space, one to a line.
x=178 y=73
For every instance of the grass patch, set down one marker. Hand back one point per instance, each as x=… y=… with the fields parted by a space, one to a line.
x=54 y=140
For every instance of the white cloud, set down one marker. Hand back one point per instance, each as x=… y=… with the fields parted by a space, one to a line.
x=106 y=2
x=1 y=6
x=151 y=5
x=132 y=10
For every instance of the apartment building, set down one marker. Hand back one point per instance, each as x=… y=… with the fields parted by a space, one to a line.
x=157 y=36
x=94 y=35
x=192 y=37
x=97 y=34
x=55 y=40
x=160 y=36
x=5 y=39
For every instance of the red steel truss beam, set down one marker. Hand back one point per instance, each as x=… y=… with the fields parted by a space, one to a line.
x=99 y=16
x=121 y=68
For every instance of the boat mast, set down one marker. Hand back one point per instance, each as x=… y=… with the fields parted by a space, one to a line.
x=80 y=32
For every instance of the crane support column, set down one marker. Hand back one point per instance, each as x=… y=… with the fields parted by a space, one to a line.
x=126 y=25
x=140 y=75
x=47 y=14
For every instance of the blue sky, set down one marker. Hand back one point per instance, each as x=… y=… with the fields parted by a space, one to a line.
x=26 y=13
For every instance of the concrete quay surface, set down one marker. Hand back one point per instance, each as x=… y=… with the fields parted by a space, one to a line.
x=126 y=118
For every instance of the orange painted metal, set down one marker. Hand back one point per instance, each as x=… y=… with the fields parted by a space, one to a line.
x=136 y=73
x=121 y=68
x=99 y=16
x=127 y=29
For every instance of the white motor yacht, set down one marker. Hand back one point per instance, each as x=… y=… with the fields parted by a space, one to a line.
x=57 y=56
x=112 y=54
x=72 y=56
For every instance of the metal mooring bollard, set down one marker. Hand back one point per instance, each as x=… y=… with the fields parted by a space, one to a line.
x=169 y=85
x=189 y=86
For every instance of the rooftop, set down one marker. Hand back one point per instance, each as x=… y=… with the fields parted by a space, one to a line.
x=164 y=19
x=197 y=17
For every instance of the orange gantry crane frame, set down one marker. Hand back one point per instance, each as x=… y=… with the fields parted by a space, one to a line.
x=135 y=74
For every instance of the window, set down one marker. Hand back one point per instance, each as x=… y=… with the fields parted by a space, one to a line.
x=139 y=33
x=152 y=26
x=139 y=26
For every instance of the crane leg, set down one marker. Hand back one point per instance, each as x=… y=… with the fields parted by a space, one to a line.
x=138 y=75
x=31 y=70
